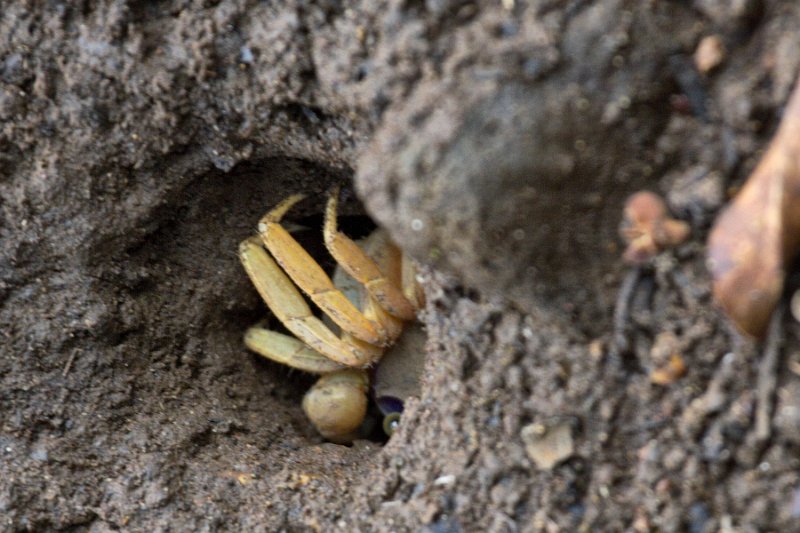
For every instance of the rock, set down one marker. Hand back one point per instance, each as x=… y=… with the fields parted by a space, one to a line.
x=548 y=446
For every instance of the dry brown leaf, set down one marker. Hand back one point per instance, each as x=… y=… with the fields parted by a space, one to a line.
x=648 y=228
x=757 y=236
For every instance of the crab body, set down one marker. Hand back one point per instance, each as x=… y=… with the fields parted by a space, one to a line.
x=372 y=297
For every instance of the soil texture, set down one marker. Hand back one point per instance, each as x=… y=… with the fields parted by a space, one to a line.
x=140 y=142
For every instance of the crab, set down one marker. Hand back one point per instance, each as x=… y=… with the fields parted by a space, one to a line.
x=371 y=300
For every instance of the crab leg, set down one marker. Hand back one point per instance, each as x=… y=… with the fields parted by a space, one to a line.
x=361 y=298
x=374 y=311
x=309 y=276
x=362 y=267
x=411 y=289
x=288 y=305
x=288 y=351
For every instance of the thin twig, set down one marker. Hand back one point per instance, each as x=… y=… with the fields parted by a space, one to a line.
x=68 y=366
x=767 y=376
x=620 y=344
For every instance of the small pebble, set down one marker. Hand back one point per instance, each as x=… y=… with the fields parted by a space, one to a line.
x=548 y=446
x=709 y=54
x=39 y=454
x=443 y=481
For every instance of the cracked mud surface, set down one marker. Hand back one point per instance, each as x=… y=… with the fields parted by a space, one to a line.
x=140 y=142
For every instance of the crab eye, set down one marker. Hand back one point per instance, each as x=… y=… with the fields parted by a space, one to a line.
x=389 y=405
x=390 y=423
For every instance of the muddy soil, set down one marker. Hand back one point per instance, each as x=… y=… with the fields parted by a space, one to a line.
x=497 y=142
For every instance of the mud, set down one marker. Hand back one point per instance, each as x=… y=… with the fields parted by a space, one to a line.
x=140 y=142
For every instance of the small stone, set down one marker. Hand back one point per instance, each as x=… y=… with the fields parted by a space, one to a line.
x=709 y=54
x=548 y=445
x=444 y=481
x=39 y=454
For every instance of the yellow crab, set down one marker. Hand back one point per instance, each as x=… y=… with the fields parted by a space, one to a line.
x=370 y=314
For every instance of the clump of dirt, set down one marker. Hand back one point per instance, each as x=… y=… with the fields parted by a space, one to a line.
x=139 y=143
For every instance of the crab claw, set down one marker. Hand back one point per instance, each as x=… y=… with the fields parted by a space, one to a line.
x=337 y=404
